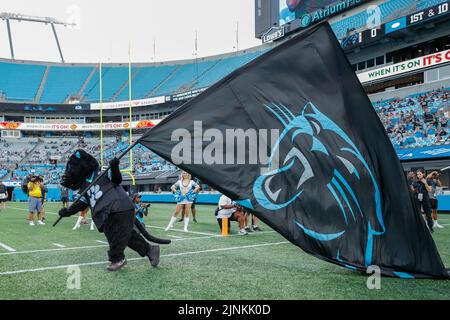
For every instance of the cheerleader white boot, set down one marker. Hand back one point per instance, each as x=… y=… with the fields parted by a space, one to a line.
x=186 y=223
x=78 y=224
x=437 y=225
x=170 y=225
x=92 y=225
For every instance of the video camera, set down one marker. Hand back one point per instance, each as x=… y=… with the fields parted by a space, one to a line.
x=435 y=175
x=143 y=210
x=36 y=178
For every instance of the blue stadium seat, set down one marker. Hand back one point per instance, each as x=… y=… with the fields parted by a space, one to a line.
x=423 y=4
x=185 y=75
x=20 y=82
x=145 y=81
x=64 y=81
x=113 y=78
x=225 y=67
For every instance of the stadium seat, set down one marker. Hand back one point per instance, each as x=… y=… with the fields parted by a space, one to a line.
x=20 y=82
x=113 y=78
x=63 y=82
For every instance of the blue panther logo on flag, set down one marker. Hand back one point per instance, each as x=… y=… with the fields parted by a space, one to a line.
x=321 y=158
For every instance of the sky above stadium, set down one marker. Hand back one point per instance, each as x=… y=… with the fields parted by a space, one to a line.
x=106 y=27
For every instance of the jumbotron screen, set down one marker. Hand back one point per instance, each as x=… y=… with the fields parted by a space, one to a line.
x=295 y=9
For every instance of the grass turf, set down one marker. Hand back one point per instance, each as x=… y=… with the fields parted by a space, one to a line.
x=197 y=265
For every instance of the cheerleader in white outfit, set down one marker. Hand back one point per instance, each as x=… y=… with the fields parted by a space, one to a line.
x=185 y=191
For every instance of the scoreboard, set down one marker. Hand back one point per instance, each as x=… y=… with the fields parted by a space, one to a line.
x=428 y=14
x=274 y=17
x=376 y=33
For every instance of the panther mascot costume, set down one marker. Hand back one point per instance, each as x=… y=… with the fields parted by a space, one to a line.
x=112 y=209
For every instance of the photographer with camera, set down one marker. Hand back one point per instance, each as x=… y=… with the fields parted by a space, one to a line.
x=35 y=188
x=436 y=185
x=141 y=209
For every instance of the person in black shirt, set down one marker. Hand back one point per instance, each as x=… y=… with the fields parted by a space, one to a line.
x=421 y=190
x=43 y=198
x=3 y=194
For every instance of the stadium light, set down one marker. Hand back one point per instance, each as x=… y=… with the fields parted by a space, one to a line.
x=6 y=16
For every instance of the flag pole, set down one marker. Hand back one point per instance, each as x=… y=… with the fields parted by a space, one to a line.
x=101 y=115
x=130 y=93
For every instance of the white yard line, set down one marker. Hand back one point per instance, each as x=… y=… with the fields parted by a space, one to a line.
x=220 y=236
x=59 y=245
x=21 y=209
x=106 y=245
x=51 y=250
x=194 y=238
x=7 y=248
x=83 y=247
x=136 y=259
x=176 y=237
x=193 y=232
x=208 y=234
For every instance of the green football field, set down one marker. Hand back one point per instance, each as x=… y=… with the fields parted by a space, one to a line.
x=37 y=263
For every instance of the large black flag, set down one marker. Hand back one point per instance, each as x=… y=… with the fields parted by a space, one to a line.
x=293 y=137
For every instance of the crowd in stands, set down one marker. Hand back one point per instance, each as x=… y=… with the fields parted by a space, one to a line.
x=12 y=152
x=414 y=121
x=3 y=171
x=418 y=120
x=39 y=153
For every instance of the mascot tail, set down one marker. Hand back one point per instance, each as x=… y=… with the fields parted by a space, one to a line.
x=148 y=236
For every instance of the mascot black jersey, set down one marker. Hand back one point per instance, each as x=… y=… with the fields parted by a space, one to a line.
x=104 y=197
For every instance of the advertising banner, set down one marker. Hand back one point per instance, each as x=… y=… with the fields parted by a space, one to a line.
x=432 y=152
x=126 y=104
x=405 y=66
x=77 y=126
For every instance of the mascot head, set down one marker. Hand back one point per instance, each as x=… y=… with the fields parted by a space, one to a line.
x=79 y=168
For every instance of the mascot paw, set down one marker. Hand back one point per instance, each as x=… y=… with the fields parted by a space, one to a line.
x=64 y=212
x=114 y=162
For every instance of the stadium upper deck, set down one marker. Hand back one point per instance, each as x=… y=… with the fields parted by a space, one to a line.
x=41 y=82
